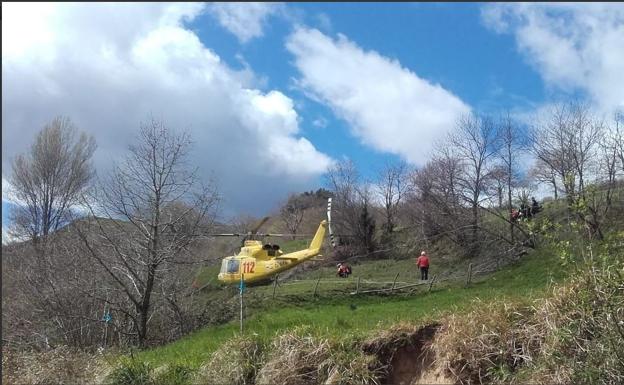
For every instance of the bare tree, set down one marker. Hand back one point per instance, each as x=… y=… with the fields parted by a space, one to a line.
x=434 y=203
x=351 y=209
x=291 y=213
x=365 y=229
x=618 y=138
x=50 y=179
x=567 y=144
x=511 y=144
x=499 y=178
x=586 y=134
x=597 y=199
x=392 y=184
x=551 y=144
x=153 y=208
x=343 y=179
x=542 y=173
x=475 y=142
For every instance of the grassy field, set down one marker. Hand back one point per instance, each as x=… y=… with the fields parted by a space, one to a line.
x=335 y=313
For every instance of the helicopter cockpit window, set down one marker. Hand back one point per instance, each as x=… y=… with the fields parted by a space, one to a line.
x=232 y=266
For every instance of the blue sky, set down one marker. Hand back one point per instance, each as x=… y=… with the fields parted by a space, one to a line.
x=273 y=93
x=443 y=43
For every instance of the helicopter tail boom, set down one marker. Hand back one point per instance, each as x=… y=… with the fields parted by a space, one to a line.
x=317 y=241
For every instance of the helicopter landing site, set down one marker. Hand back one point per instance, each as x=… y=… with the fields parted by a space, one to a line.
x=382 y=324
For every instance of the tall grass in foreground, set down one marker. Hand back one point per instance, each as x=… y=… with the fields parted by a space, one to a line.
x=574 y=335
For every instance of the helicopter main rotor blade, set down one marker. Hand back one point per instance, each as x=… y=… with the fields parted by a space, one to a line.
x=262 y=222
x=284 y=235
x=226 y=235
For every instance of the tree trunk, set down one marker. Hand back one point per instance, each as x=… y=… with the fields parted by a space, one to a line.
x=474 y=247
x=145 y=305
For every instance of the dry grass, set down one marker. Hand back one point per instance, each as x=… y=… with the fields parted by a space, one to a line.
x=575 y=335
x=489 y=344
x=298 y=357
x=57 y=366
x=236 y=362
x=295 y=357
x=348 y=364
x=584 y=323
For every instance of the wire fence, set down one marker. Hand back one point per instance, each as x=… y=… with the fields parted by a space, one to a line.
x=359 y=286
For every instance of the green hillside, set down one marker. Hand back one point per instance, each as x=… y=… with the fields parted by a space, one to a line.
x=335 y=312
x=341 y=330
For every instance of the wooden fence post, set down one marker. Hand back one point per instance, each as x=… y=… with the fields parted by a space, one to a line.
x=394 y=282
x=431 y=283
x=275 y=285
x=357 y=288
x=316 y=286
x=469 y=278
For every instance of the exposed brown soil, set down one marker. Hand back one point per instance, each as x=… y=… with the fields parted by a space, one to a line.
x=409 y=357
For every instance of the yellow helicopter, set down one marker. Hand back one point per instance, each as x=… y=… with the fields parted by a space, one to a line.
x=257 y=263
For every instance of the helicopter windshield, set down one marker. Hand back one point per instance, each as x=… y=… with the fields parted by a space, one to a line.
x=230 y=266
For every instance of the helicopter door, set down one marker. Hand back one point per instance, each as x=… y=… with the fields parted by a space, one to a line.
x=232 y=266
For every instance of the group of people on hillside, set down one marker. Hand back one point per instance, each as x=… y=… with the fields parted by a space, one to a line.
x=525 y=212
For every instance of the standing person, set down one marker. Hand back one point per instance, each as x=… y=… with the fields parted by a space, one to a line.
x=535 y=207
x=524 y=210
x=423 y=263
x=515 y=214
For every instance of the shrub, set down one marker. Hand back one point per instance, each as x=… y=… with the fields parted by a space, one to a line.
x=130 y=371
x=171 y=375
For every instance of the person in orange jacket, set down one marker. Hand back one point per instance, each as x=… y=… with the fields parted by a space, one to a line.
x=423 y=263
x=344 y=270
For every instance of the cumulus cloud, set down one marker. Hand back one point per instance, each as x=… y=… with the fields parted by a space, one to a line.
x=244 y=20
x=110 y=67
x=388 y=107
x=573 y=46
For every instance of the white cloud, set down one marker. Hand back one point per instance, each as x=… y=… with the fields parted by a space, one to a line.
x=324 y=22
x=573 y=46
x=110 y=67
x=388 y=106
x=320 y=122
x=244 y=20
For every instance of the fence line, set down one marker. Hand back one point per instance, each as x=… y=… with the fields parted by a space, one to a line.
x=468 y=276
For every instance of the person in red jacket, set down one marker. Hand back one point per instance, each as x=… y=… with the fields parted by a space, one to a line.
x=423 y=263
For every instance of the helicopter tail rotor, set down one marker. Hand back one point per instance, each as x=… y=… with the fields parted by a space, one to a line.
x=331 y=233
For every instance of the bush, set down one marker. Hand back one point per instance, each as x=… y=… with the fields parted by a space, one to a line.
x=171 y=375
x=130 y=371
